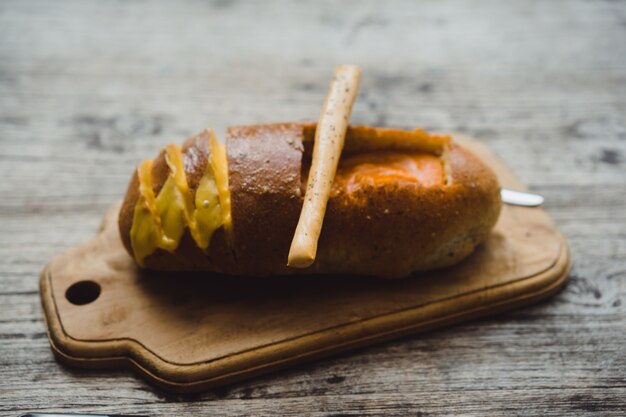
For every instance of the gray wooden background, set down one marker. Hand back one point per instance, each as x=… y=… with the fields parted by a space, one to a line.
x=88 y=88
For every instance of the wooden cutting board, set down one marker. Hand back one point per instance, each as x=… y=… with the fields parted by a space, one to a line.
x=187 y=332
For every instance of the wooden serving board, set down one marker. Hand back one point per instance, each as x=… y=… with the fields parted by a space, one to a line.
x=187 y=332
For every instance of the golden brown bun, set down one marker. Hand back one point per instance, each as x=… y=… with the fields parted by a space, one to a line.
x=388 y=230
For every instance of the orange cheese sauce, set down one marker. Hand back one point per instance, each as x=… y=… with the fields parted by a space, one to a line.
x=372 y=169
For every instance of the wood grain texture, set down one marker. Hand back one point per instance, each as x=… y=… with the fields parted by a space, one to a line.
x=188 y=333
x=88 y=89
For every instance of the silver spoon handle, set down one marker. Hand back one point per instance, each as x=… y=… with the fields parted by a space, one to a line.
x=520 y=198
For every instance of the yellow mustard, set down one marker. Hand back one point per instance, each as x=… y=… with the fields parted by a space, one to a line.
x=160 y=222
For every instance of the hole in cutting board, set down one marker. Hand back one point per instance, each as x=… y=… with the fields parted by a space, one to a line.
x=83 y=292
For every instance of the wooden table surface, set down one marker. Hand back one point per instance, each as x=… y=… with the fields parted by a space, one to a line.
x=88 y=88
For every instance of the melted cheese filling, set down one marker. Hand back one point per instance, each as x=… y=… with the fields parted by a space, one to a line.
x=370 y=169
x=159 y=222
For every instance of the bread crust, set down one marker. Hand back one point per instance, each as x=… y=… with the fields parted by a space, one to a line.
x=388 y=230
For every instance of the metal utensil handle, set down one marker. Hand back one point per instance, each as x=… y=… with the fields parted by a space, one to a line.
x=520 y=198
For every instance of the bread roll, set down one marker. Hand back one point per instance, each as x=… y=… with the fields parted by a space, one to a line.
x=392 y=211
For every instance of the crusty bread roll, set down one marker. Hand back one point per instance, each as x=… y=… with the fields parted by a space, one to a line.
x=391 y=212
